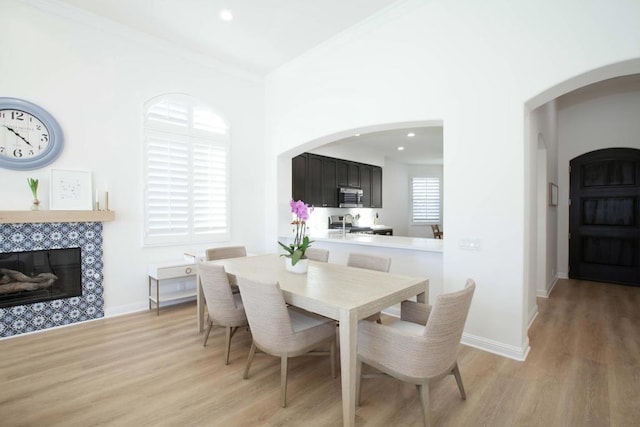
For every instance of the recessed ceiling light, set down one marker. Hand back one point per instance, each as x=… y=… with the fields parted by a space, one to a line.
x=357 y=134
x=400 y=148
x=226 y=15
x=411 y=134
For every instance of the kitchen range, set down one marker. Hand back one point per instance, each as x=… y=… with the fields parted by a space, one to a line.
x=346 y=223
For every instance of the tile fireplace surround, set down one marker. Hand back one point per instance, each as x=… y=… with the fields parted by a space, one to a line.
x=55 y=235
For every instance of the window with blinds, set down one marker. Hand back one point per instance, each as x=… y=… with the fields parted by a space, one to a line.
x=186 y=172
x=426 y=200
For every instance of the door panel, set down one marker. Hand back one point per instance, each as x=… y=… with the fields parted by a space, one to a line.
x=604 y=227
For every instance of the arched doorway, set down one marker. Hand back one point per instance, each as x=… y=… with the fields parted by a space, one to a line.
x=604 y=216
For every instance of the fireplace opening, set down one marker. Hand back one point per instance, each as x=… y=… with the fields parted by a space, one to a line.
x=37 y=276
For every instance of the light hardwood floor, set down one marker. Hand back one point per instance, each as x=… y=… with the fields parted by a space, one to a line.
x=144 y=370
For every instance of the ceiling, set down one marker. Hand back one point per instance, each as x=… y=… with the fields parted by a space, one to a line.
x=425 y=147
x=263 y=35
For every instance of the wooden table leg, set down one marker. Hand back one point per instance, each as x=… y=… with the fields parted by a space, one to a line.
x=348 y=354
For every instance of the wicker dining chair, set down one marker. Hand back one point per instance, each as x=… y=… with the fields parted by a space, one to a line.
x=419 y=348
x=316 y=254
x=225 y=252
x=370 y=262
x=225 y=308
x=284 y=331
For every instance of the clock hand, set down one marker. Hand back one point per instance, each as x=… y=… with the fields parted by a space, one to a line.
x=20 y=136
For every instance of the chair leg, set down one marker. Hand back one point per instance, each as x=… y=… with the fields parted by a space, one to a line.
x=358 y=381
x=206 y=337
x=423 y=392
x=456 y=373
x=252 y=352
x=229 y=333
x=284 y=369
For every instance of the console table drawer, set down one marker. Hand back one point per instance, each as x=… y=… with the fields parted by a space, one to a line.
x=171 y=272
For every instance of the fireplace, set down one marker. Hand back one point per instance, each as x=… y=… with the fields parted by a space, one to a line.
x=28 y=277
x=69 y=248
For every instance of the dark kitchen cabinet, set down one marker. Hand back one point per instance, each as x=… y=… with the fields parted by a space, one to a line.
x=299 y=177
x=347 y=174
x=329 y=183
x=316 y=179
x=376 y=187
x=371 y=184
x=365 y=184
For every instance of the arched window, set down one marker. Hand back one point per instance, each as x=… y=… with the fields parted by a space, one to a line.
x=186 y=152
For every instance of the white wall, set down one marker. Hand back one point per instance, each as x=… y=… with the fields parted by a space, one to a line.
x=474 y=66
x=94 y=78
x=601 y=116
x=396 y=196
x=541 y=225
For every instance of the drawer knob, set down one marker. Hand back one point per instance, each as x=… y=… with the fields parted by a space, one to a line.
x=187 y=270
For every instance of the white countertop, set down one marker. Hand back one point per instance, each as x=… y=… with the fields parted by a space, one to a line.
x=398 y=242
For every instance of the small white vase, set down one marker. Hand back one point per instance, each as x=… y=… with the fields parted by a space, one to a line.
x=300 y=268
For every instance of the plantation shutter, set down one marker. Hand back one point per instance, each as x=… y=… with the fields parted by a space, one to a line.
x=167 y=185
x=425 y=197
x=186 y=152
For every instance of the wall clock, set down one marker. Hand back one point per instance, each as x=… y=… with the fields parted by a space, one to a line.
x=30 y=137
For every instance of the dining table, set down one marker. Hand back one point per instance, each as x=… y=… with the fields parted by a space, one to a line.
x=339 y=292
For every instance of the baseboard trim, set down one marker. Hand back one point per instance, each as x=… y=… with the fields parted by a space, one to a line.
x=533 y=316
x=545 y=293
x=121 y=310
x=495 y=347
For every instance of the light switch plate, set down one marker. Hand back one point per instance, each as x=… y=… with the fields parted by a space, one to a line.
x=470 y=244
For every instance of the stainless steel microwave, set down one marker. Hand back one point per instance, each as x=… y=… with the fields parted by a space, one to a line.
x=350 y=197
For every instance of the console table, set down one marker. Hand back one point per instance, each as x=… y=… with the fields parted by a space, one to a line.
x=169 y=270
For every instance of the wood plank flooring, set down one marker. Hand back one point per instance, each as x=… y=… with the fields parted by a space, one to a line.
x=145 y=370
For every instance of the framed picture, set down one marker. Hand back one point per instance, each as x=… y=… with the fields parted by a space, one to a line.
x=553 y=194
x=71 y=190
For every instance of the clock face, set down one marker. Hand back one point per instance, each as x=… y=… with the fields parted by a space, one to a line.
x=30 y=137
x=22 y=135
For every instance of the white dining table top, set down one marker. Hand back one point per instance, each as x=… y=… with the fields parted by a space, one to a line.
x=338 y=287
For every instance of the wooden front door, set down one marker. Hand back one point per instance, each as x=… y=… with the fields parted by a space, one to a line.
x=604 y=224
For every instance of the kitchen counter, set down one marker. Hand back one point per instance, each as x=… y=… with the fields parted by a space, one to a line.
x=396 y=242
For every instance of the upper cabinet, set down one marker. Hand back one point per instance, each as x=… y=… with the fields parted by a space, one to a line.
x=316 y=179
x=376 y=187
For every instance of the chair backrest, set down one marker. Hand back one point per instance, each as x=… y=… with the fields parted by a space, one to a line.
x=445 y=326
x=435 y=228
x=267 y=315
x=371 y=262
x=221 y=303
x=316 y=254
x=225 y=252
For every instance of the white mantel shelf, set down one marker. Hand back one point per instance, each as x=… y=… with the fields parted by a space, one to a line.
x=30 y=217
